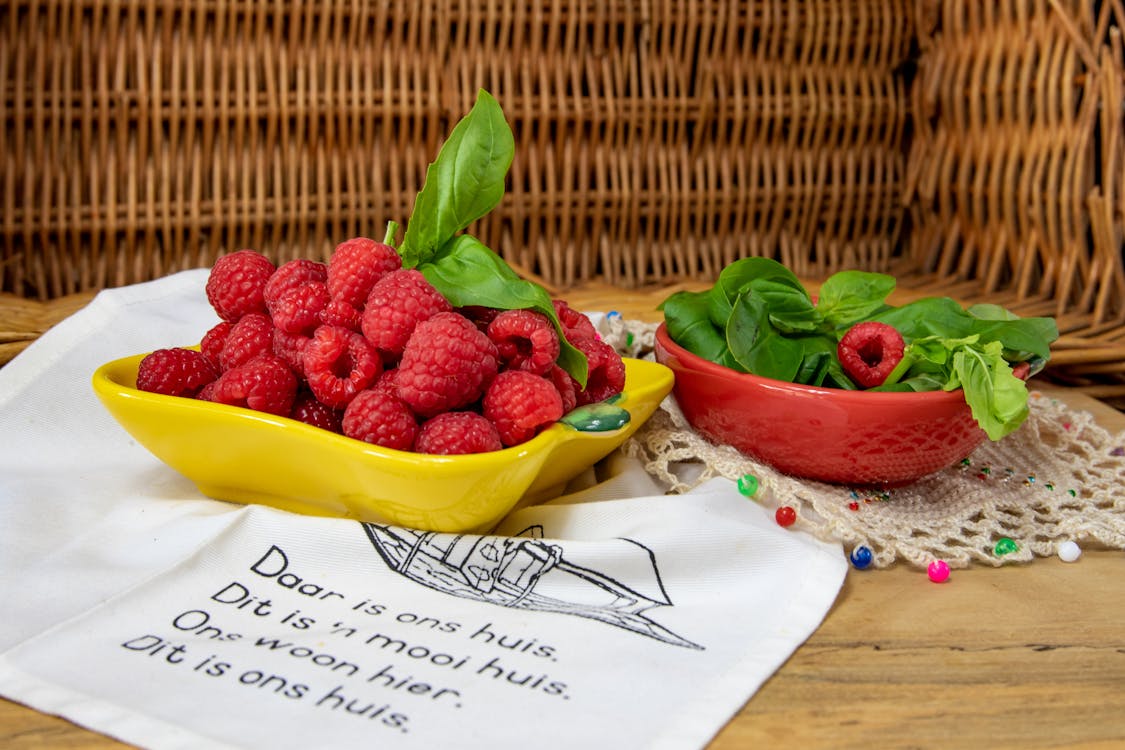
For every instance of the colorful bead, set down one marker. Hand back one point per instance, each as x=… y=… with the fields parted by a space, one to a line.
x=1005 y=546
x=785 y=516
x=1118 y=451
x=938 y=571
x=853 y=505
x=1069 y=551
x=748 y=485
x=861 y=557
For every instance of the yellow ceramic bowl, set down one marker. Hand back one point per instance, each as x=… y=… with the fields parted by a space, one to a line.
x=244 y=456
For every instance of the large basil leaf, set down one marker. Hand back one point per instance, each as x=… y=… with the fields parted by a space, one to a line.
x=757 y=345
x=851 y=296
x=689 y=325
x=466 y=272
x=464 y=183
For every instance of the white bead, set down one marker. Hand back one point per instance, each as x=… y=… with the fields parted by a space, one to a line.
x=1069 y=551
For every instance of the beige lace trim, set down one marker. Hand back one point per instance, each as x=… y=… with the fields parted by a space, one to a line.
x=1059 y=477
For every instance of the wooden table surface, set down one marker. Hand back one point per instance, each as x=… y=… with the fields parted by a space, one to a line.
x=1028 y=656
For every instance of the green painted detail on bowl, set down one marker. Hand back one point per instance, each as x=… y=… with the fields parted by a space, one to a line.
x=603 y=416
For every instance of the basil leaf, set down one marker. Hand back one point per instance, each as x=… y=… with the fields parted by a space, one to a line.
x=757 y=345
x=685 y=314
x=466 y=272
x=790 y=310
x=464 y=183
x=851 y=296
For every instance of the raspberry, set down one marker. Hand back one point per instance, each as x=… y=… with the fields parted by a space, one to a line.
x=341 y=314
x=236 y=284
x=297 y=309
x=290 y=348
x=264 y=384
x=456 y=433
x=446 y=365
x=356 y=265
x=480 y=315
x=306 y=408
x=398 y=302
x=292 y=274
x=521 y=404
x=525 y=340
x=869 y=352
x=567 y=387
x=250 y=336
x=212 y=343
x=379 y=417
x=605 y=371
x=575 y=325
x=339 y=364
x=175 y=372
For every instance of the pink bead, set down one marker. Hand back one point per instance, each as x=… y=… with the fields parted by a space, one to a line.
x=938 y=571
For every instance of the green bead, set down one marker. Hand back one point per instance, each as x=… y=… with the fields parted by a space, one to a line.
x=1005 y=546
x=748 y=485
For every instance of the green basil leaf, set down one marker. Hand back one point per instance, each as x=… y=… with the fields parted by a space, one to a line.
x=734 y=279
x=851 y=296
x=790 y=310
x=757 y=345
x=466 y=272
x=464 y=183
x=685 y=314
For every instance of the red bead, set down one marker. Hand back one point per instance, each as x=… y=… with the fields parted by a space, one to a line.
x=785 y=516
x=853 y=505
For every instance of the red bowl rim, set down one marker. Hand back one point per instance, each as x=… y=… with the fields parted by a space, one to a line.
x=851 y=398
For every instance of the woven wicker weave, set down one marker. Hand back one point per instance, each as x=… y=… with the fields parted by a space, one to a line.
x=977 y=153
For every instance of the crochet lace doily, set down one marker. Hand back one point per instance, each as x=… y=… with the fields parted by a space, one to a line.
x=1059 y=477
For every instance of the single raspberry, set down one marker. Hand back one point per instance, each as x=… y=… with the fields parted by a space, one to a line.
x=207 y=392
x=237 y=282
x=297 y=309
x=290 y=348
x=525 y=340
x=521 y=404
x=567 y=387
x=379 y=417
x=446 y=365
x=264 y=384
x=341 y=314
x=356 y=265
x=212 y=343
x=456 y=433
x=308 y=409
x=575 y=325
x=339 y=364
x=250 y=336
x=480 y=315
x=175 y=372
x=292 y=274
x=869 y=352
x=605 y=370
x=398 y=302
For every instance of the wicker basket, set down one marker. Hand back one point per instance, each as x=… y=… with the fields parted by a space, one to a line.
x=975 y=153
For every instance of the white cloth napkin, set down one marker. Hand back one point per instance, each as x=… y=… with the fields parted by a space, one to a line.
x=612 y=616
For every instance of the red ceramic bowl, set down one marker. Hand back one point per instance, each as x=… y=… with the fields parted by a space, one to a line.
x=845 y=437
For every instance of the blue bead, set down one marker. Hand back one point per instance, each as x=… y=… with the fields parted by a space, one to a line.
x=861 y=557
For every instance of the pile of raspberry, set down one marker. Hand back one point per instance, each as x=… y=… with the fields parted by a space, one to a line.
x=366 y=348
